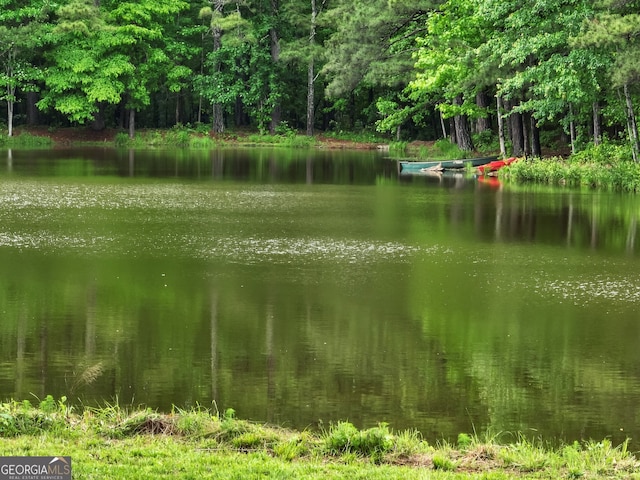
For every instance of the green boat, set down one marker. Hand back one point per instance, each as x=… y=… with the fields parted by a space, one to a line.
x=413 y=166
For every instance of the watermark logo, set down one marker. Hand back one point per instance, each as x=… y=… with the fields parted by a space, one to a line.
x=35 y=468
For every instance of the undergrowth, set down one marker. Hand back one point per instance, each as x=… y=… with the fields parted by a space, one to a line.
x=441 y=149
x=358 y=137
x=616 y=176
x=25 y=140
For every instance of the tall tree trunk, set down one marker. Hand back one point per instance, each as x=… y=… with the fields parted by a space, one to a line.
x=218 y=118
x=632 y=125
x=463 y=129
x=132 y=123
x=276 y=113
x=10 y=104
x=98 y=123
x=463 y=133
x=444 y=130
x=218 y=112
x=200 y=100
x=11 y=89
x=453 y=135
x=526 y=123
x=239 y=111
x=536 y=148
x=503 y=148
x=311 y=70
x=121 y=112
x=483 y=123
x=310 y=98
x=32 y=108
x=572 y=130
x=517 y=132
x=597 y=126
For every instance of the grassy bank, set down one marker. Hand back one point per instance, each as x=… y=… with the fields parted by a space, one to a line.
x=607 y=167
x=182 y=136
x=114 y=443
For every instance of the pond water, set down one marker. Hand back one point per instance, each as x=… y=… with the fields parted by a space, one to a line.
x=302 y=288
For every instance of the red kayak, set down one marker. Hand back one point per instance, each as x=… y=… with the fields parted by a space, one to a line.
x=495 y=165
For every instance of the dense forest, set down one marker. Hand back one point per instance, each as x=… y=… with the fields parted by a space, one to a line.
x=470 y=70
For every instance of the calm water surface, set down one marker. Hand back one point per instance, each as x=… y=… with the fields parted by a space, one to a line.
x=309 y=287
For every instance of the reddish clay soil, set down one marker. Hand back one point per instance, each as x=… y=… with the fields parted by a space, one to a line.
x=67 y=136
x=329 y=142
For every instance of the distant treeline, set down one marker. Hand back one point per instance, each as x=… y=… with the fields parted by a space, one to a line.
x=515 y=73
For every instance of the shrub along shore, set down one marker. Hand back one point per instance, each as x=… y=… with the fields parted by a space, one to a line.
x=606 y=166
x=117 y=443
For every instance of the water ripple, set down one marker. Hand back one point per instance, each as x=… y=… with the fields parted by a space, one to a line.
x=286 y=250
x=597 y=289
x=49 y=241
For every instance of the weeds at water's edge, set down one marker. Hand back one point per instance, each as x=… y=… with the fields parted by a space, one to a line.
x=341 y=442
x=25 y=140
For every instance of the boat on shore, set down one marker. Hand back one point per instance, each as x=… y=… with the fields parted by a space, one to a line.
x=414 y=166
x=494 y=166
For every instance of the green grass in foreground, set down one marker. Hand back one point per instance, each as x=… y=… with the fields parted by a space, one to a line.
x=112 y=442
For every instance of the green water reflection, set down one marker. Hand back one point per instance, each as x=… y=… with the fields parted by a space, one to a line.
x=349 y=294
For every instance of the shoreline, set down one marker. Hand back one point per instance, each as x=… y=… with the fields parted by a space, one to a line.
x=606 y=166
x=113 y=442
x=182 y=137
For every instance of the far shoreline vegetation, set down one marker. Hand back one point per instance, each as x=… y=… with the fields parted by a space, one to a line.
x=516 y=79
x=607 y=165
x=139 y=443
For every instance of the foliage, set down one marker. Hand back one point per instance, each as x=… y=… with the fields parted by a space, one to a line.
x=363 y=137
x=441 y=149
x=442 y=462
x=21 y=418
x=606 y=153
x=464 y=440
x=380 y=53
x=26 y=140
x=486 y=141
x=613 y=29
x=22 y=32
x=525 y=456
x=181 y=136
x=178 y=136
x=398 y=146
x=289 y=139
x=99 y=59
x=345 y=438
x=84 y=67
x=598 y=170
x=396 y=67
x=121 y=139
